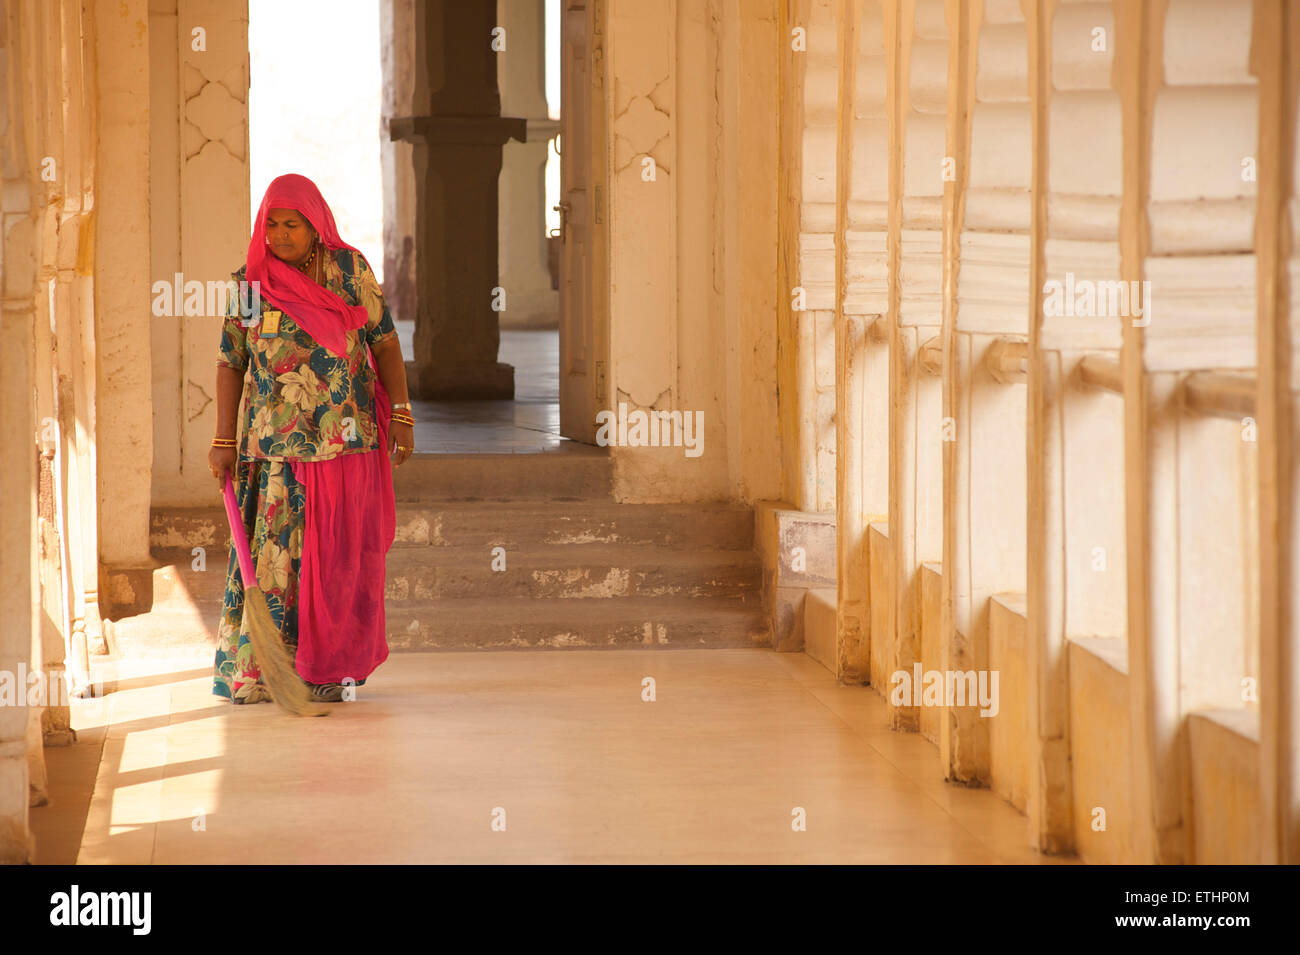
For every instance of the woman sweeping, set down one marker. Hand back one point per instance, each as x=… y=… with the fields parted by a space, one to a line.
x=316 y=361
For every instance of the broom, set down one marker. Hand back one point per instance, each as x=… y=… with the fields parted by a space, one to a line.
x=287 y=688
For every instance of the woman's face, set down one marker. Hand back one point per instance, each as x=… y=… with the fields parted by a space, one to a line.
x=289 y=235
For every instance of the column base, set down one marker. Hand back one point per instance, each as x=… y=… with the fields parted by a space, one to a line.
x=126 y=590
x=469 y=381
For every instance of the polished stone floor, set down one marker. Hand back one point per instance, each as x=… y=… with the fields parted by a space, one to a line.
x=529 y=424
x=559 y=746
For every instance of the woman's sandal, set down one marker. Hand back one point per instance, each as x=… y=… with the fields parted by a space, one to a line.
x=258 y=693
x=320 y=692
x=326 y=692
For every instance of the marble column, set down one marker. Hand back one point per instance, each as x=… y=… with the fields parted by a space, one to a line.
x=531 y=302
x=18 y=471
x=397 y=54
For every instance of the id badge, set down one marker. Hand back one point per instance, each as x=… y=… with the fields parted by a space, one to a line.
x=270 y=323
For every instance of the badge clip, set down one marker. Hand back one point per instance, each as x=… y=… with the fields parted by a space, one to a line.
x=270 y=323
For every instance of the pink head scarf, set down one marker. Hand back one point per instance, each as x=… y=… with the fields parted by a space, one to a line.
x=320 y=313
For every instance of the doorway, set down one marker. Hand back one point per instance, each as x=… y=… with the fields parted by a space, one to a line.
x=550 y=317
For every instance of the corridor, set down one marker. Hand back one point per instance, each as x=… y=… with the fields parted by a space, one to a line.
x=585 y=771
x=880 y=445
x=528 y=424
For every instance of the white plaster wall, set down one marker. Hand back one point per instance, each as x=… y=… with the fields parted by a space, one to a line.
x=1096 y=597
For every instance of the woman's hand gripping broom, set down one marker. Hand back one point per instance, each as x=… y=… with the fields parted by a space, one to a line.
x=287 y=688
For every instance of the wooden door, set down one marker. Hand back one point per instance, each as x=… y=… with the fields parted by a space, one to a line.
x=582 y=168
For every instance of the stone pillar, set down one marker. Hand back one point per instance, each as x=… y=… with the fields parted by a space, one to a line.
x=919 y=37
x=18 y=488
x=72 y=560
x=816 y=263
x=851 y=365
x=521 y=72
x=1075 y=481
x=457 y=158
x=1278 y=412
x=17 y=520
x=122 y=316
x=1189 y=231
x=397 y=53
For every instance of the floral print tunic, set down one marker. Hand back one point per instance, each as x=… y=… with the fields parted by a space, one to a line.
x=302 y=402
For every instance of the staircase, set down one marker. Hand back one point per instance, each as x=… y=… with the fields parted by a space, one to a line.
x=574 y=568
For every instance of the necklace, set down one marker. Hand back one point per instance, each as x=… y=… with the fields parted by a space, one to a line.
x=306 y=265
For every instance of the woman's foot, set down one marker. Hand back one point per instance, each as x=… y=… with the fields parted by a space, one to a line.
x=254 y=693
x=326 y=692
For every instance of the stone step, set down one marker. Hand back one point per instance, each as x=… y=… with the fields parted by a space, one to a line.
x=509 y=623
x=509 y=525
x=572 y=472
x=582 y=570
x=178 y=586
x=574 y=572
x=628 y=622
x=569 y=572
x=484 y=525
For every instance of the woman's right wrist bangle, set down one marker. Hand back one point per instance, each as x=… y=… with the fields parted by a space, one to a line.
x=224 y=442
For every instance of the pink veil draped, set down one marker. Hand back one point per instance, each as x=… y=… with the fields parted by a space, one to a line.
x=351 y=516
x=321 y=314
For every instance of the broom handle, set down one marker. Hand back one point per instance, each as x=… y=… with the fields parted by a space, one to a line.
x=237 y=533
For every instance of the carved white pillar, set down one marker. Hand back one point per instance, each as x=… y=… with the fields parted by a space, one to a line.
x=984 y=552
x=1076 y=553
x=122 y=280
x=1187 y=601
x=1278 y=412
x=18 y=483
x=816 y=268
x=397 y=37
x=521 y=212
x=919 y=41
x=862 y=380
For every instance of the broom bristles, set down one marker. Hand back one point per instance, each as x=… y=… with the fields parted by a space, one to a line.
x=287 y=688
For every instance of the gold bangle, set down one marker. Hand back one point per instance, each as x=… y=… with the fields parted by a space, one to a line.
x=224 y=442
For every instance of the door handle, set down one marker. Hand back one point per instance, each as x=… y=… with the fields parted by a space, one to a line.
x=563 y=209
